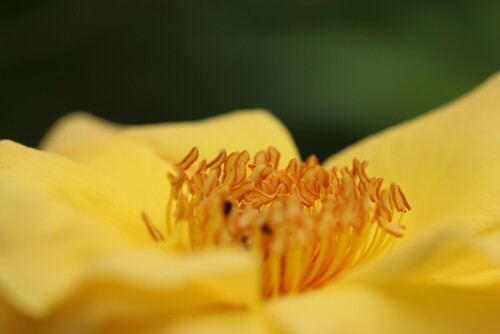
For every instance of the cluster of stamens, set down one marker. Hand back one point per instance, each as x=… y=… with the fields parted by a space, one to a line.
x=307 y=223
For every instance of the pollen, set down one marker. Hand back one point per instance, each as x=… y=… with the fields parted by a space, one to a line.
x=306 y=223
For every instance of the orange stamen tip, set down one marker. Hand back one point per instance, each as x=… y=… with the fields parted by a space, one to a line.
x=190 y=158
x=219 y=159
x=308 y=223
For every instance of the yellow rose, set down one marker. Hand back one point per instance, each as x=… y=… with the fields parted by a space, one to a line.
x=84 y=247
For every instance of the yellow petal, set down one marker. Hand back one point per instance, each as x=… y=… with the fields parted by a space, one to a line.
x=133 y=168
x=45 y=246
x=480 y=266
x=397 y=308
x=449 y=255
x=215 y=320
x=446 y=161
x=13 y=321
x=76 y=129
x=138 y=288
x=78 y=186
x=222 y=322
x=252 y=130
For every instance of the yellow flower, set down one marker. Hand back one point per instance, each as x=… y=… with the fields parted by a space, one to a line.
x=76 y=257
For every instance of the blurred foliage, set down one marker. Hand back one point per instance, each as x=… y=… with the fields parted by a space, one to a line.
x=334 y=72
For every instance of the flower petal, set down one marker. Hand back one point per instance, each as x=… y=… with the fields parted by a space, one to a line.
x=78 y=186
x=12 y=321
x=76 y=129
x=223 y=321
x=45 y=245
x=135 y=169
x=145 y=288
x=397 y=308
x=446 y=161
x=252 y=130
x=449 y=255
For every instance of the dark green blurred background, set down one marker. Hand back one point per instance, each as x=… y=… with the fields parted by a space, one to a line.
x=332 y=71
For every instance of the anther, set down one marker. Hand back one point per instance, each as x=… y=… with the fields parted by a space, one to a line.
x=189 y=159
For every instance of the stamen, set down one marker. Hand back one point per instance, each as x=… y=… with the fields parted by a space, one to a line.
x=153 y=231
x=189 y=159
x=307 y=223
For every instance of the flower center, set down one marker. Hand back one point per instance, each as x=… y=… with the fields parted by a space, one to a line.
x=307 y=223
